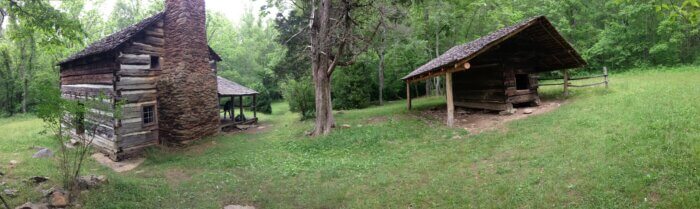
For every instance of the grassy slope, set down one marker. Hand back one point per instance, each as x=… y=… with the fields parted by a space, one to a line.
x=636 y=145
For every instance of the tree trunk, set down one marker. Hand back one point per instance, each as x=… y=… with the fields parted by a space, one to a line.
x=23 y=72
x=381 y=67
x=322 y=66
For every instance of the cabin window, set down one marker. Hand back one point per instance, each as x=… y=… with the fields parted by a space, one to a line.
x=149 y=114
x=522 y=81
x=155 y=62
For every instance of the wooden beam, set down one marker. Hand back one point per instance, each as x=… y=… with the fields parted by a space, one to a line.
x=408 y=94
x=450 y=100
x=566 y=82
x=255 y=106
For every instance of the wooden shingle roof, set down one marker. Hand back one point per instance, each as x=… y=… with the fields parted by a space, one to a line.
x=119 y=38
x=568 y=59
x=230 y=88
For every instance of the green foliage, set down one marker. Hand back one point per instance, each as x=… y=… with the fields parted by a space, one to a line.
x=350 y=86
x=299 y=93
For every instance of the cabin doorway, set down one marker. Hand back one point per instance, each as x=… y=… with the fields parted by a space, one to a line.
x=522 y=81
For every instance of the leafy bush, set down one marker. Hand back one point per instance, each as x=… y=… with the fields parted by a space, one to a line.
x=300 y=95
x=263 y=100
x=353 y=86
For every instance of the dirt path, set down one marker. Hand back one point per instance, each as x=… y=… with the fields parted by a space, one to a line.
x=476 y=121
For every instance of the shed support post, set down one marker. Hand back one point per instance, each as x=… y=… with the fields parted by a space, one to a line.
x=408 y=94
x=566 y=83
x=605 y=74
x=240 y=105
x=255 y=107
x=450 y=100
x=232 y=111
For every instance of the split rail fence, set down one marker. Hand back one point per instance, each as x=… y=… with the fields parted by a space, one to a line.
x=567 y=84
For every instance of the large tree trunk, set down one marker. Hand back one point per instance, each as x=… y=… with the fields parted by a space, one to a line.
x=23 y=71
x=322 y=67
x=381 y=67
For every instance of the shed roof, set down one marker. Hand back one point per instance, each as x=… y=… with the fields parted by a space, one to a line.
x=120 y=37
x=230 y=88
x=539 y=30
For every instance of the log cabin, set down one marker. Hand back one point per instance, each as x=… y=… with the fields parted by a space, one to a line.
x=500 y=69
x=160 y=73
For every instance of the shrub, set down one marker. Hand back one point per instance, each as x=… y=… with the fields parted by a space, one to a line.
x=353 y=87
x=300 y=95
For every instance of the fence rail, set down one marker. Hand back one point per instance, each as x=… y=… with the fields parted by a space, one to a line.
x=568 y=84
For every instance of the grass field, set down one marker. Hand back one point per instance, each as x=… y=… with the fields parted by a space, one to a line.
x=636 y=145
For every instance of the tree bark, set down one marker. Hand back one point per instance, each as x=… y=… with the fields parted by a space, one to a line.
x=322 y=66
x=381 y=67
x=23 y=72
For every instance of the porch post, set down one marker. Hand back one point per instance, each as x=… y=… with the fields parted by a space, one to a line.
x=450 y=101
x=240 y=104
x=408 y=94
x=255 y=107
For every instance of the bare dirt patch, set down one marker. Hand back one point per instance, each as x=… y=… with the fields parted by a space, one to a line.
x=121 y=166
x=377 y=120
x=177 y=176
x=476 y=121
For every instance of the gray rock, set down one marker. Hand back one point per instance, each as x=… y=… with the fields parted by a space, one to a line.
x=38 y=179
x=527 y=111
x=346 y=126
x=30 y=205
x=91 y=181
x=10 y=192
x=43 y=153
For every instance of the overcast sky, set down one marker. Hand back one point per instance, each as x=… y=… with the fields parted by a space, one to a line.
x=233 y=9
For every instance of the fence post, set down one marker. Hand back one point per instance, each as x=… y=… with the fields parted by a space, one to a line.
x=566 y=82
x=605 y=74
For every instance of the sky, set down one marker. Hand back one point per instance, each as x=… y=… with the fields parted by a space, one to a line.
x=233 y=9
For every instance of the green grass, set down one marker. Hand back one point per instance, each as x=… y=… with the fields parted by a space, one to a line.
x=636 y=145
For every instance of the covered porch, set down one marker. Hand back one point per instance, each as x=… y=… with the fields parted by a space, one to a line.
x=232 y=95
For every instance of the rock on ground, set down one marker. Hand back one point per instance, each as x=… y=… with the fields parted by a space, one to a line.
x=239 y=207
x=91 y=181
x=528 y=111
x=58 y=199
x=508 y=112
x=10 y=192
x=38 y=179
x=30 y=205
x=43 y=153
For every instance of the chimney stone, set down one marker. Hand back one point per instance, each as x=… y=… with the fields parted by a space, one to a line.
x=187 y=90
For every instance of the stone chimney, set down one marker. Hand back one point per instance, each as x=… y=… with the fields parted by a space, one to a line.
x=187 y=90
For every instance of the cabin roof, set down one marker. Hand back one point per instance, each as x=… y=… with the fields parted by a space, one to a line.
x=537 y=29
x=230 y=88
x=117 y=39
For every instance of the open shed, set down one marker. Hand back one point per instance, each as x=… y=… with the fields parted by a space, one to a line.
x=233 y=90
x=500 y=69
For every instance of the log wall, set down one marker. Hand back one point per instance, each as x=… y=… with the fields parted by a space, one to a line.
x=91 y=81
x=135 y=87
x=493 y=88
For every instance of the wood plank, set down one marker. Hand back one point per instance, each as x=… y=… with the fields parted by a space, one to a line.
x=134 y=59
x=125 y=81
x=138 y=96
x=90 y=89
x=142 y=48
x=522 y=98
x=134 y=125
x=147 y=86
x=136 y=139
x=107 y=78
x=484 y=105
x=450 y=100
x=154 y=41
x=408 y=94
